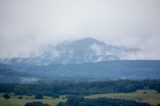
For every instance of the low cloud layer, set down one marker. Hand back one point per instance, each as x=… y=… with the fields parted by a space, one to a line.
x=27 y=25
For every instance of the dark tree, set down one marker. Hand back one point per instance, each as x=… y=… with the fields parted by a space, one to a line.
x=20 y=97
x=6 y=96
x=36 y=104
x=76 y=101
x=20 y=90
x=55 y=96
x=39 y=96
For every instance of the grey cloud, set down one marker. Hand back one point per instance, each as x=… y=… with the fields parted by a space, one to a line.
x=26 y=25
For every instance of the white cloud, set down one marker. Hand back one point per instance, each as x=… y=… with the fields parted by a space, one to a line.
x=97 y=49
x=56 y=53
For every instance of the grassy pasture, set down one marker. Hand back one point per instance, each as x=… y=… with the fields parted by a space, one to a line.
x=151 y=98
x=14 y=101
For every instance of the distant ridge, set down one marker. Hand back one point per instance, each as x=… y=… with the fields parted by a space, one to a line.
x=86 y=50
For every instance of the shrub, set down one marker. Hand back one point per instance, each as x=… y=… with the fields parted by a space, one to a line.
x=55 y=96
x=39 y=96
x=6 y=96
x=20 y=97
x=36 y=104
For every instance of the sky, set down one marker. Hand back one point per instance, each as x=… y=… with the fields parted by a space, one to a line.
x=27 y=25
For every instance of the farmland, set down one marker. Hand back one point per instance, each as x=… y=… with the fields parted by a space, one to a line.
x=151 y=98
x=14 y=101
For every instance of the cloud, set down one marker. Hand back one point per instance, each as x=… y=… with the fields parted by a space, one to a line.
x=97 y=49
x=26 y=25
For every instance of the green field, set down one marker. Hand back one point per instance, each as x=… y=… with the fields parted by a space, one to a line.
x=151 y=98
x=21 y=102
x=14 y=101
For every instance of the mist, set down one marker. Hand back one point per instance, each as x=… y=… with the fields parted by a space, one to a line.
x=27 y=25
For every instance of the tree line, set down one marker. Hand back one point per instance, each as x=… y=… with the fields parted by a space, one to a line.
x=77 y=101
x=80 y=88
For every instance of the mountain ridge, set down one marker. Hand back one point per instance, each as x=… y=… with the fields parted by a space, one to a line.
x=110 y=70
x=86 y=50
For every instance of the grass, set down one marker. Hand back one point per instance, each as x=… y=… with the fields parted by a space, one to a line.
x=22 y=102
x=14 y=101
x=151 y=98
x=4 y=103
